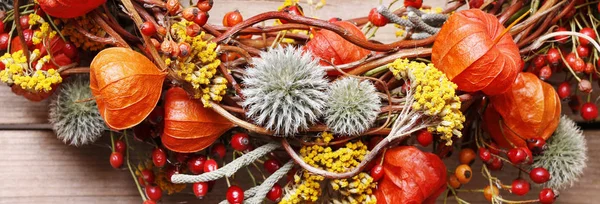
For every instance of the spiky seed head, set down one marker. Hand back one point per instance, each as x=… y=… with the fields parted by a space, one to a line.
x=285 y=90
x=565 y=156
x=75 y=123
x=352 y=106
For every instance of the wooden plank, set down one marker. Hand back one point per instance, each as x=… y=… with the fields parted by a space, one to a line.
x=35 y=167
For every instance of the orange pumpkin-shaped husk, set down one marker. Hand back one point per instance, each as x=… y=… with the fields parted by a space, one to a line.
x=465 y=51
x=69 y=8
x=529 y=109
x=410 y=176
x=329 y=46
x=189 y=126
x=126 y=86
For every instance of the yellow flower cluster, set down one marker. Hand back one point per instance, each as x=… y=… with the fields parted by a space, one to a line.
x=326 y=137
x=307 y=188
x=434 y=96
x=80 y=40
x=200 y=66
x=358 y=189
x=17 y=72
x=44 y=32
x=160 y=178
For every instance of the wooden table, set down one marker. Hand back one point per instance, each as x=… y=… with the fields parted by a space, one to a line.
x=35 y=167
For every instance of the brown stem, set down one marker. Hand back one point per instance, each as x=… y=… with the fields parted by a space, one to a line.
x=211 y=30
x=138 y=22
x=268 y=29
x=240 y=51
x=16 y=15
x=497 y=7
x=407 y=53
x=539 y=30
x=453 y=8
x=564 y=12
x=119 y=41
x=231 y=80
x=233 y=109
x=104 y=40
x=112 y=22
x=325 y=25
x=510 y=11
x=75 y=70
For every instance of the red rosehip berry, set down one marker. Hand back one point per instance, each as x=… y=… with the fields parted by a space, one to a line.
x=377 y=172
x=240 y=141
x=539 y=61
x=4 y=40
x=334 y=19
x=475 y=3
x=146 y=177
x=539 y=175
x=232 y=18
x=376 y=18
x=120 y=146
x=210 y=165
x=495 y=164
x=484 y=154
x=148 y=28
x=235 y=195
x=1 y=27
x=424 y=137
x=271 y=165
x=564 y=90
x=196 y=164
x=414 y=3
x=589 y=111
x=218 y=150
x=589 y=32
x=159 y=157
x=589 y=68
x=536 y=145
x=583 y=51
x=547 y=196
x=520 y=187
x=70 y=50
x=116 y=160
x=553 y=56
x=275 y=193
x=201 y=18
x=200 y=189
x=24 y=21
x=545 y=73
x=516 y=155
x=154 y=192
x=205 y=5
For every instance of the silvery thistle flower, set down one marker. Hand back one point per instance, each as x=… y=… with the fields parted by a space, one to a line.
x=352 y=107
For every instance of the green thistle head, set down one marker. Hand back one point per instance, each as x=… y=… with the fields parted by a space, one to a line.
x=565 y=156
x=75 y=123
x=285 y=90
x=352 y=107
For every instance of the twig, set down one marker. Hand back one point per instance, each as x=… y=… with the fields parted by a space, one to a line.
x=16 y=15
x=138 y=22
x=407 y=53
x=119 y=41
x=325 y=25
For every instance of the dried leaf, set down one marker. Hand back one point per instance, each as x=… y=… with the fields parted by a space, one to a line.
x=530 y=108
x=126 y=86
x=464 y=49
x=411 y=176
x=69 y=8
x=189 y=127
x=329 y=46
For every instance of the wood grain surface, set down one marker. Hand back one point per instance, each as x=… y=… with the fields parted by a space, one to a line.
x=35 y=167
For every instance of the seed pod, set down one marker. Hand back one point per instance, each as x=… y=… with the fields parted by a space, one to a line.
x=173 y=6
x=192 y=30
x=184 y=49
x=585 y=86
